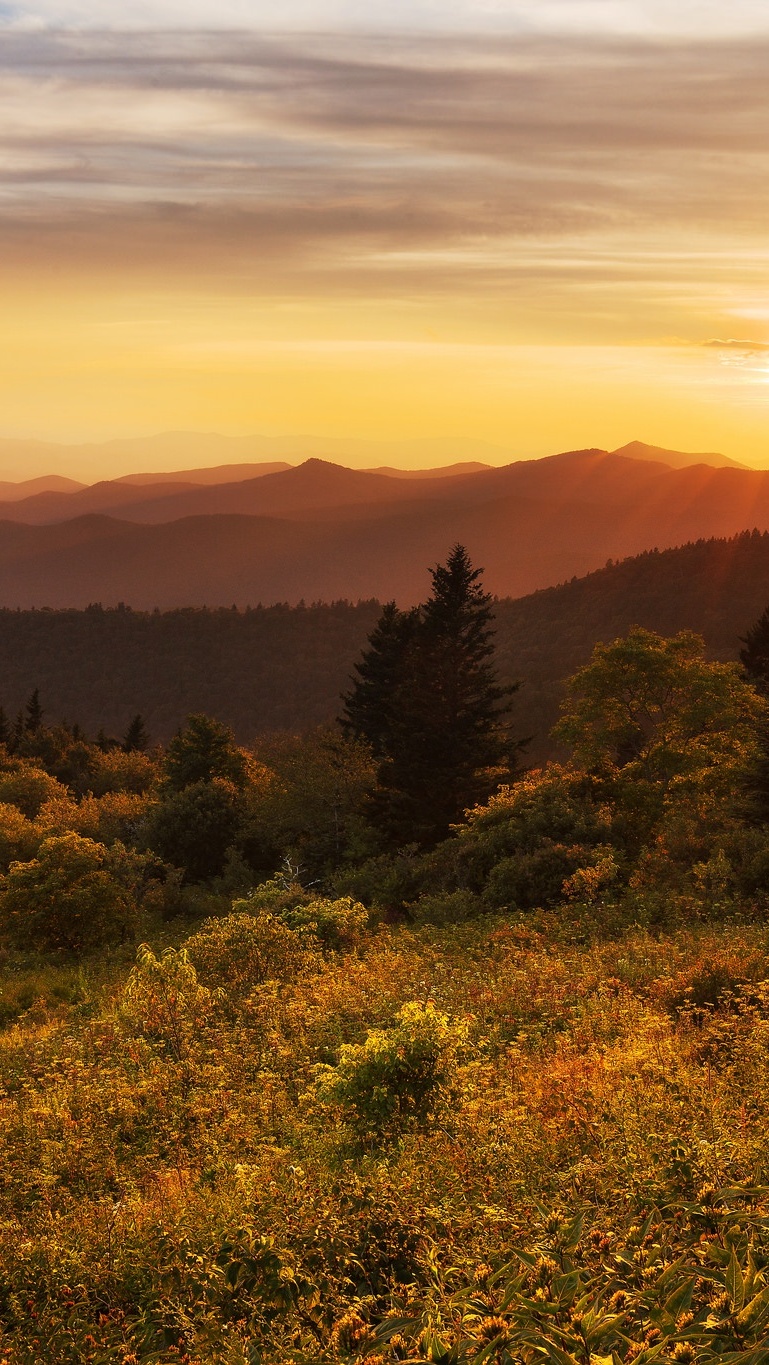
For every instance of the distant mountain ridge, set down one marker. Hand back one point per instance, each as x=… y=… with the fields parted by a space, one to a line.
x=320 y=531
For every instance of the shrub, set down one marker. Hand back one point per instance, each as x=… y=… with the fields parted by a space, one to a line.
x=163 y=1001
x=399 y=1077
x=242 y=950
x=75 y=895
x=446 y=907
x=338 y=923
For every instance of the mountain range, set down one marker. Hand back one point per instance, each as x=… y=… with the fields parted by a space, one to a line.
x=320 y=531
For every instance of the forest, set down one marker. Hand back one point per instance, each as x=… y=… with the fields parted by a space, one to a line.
x=275 y=668
x=377 y=1041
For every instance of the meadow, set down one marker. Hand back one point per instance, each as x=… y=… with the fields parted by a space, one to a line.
x=515 y=1140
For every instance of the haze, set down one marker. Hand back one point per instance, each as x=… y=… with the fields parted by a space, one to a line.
x=536 y=225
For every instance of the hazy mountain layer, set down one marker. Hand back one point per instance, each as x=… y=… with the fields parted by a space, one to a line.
x=320 y=532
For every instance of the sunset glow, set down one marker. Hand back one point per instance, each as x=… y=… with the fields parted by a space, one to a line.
x=538 y=225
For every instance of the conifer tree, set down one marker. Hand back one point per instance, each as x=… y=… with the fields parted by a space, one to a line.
x=136 y=738
x=33 y=718
x=370 y=707
x=6 y=736
x=428 y=702
x=754 y=657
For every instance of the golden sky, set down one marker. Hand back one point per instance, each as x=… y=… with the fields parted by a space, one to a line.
x=541 y=223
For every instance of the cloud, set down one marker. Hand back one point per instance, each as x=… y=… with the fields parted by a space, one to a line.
x=744 y=348
x=537 y=167
x=697 y=18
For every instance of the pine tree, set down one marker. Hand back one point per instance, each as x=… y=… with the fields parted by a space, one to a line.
x=33 y=717
x=6 y=736
x=203 y=751
x=755 y=656
x=369 y=708
x=428 y=702
x=136 y=738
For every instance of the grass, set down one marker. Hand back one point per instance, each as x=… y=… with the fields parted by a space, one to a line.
x=177 y=1184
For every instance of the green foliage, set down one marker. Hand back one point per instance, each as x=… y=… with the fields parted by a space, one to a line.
x=687 y=1284
x=242 y=950
x=75 y=895
x=163 y=1002
x=195 y=827
x=657 y=705
x=336 y=923
x=399 y=1077
x=312 y=807
x=203 y=752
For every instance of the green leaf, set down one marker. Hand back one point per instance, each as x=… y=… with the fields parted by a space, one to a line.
x=754 y=1313
x=680 y=1299
x=735 y=1284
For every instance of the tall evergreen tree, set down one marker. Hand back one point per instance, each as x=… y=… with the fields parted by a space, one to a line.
x=754 y=657
x=371 y=705
x=33 y=717
x=136 y=738
x=6 y=734
x=428 y=701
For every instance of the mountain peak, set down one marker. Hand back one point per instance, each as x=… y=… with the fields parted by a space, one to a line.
x=676 y=459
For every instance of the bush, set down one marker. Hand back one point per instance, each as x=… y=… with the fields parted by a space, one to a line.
x=75 y=895
x=242 y=950
x=163 y=1001
x=338 y=924
x=399 y=1077
x=446 y=907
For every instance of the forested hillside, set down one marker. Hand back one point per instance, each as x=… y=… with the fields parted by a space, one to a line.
x=277 y=1088
x=274 y=668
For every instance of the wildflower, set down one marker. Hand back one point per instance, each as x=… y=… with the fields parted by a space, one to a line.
x=683 y=1321
x=684 y=1352
x=482 y=1273
x=349 y=1330
x=545 y=1269
x=490 y=1328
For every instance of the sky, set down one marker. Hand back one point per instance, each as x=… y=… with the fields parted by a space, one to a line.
x=536 y=223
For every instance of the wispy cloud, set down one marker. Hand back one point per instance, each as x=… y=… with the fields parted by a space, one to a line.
x=639 y=17
x=597 y=180
x=736 y=344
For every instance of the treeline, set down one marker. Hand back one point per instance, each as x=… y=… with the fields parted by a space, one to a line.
x=274 y=668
